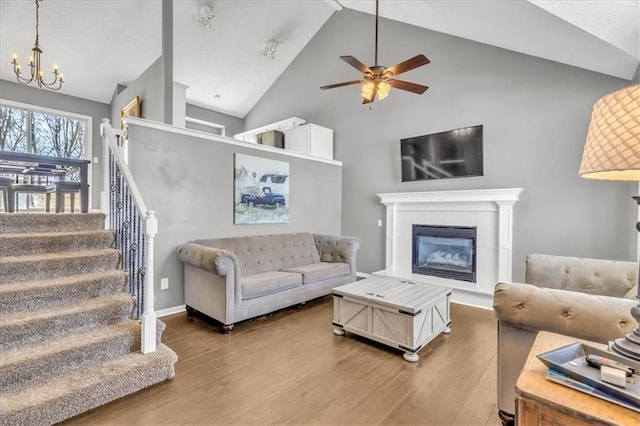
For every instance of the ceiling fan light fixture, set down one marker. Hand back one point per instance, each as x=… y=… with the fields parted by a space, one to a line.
x=367 y=90
x=383 y=89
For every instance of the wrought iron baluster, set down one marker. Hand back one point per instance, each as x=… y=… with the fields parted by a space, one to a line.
x=135 y=228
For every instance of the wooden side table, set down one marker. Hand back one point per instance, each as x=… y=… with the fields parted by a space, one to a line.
x=542 y=402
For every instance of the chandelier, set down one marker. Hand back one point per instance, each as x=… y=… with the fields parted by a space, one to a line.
x=35 y=64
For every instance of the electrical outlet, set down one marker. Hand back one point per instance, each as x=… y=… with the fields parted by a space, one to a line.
x=164 y=283
x=379 y=223
x=95 y=160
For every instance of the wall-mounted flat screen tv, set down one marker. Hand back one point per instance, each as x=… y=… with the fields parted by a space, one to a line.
x=450 y=154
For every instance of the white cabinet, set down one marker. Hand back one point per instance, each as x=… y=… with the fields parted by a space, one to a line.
x=310 y=139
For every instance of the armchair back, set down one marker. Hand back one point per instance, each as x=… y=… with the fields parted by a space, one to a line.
x=591 y=276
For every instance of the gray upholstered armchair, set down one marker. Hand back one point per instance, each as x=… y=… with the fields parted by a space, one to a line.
x=582 y=298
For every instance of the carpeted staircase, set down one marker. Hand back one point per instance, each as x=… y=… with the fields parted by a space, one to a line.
x=68 y=342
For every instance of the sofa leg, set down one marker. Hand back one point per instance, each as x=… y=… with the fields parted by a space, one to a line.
x=227 y=328
x=190 y=311
x=507 y=418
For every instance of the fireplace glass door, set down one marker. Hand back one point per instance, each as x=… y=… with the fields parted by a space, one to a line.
x=447 y=252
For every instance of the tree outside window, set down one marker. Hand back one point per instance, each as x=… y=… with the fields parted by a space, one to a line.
x=41 y=133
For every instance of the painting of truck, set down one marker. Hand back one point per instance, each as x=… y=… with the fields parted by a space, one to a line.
x=261 y=190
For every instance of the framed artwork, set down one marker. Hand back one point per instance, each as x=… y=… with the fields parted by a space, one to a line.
x=261 y=187
x=132 y=109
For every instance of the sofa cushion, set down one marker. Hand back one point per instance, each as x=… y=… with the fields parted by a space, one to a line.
x=266 y=283
x=264 y=253
x=316 y=272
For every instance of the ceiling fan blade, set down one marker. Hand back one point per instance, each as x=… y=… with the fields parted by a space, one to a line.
x=408 y=65
x=373 y=96
x=356 y=64
x=409 y=87
x=346 y=83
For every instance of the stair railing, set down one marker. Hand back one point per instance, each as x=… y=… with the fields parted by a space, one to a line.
x=135 y=228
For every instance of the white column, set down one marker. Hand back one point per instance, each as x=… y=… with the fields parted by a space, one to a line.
x=505 y=240
x=390 y=264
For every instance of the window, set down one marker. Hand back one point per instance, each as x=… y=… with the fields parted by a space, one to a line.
x=35 y=130
x=43 y=133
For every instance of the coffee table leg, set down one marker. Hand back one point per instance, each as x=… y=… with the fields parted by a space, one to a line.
x=411 y=357
x=338 y=331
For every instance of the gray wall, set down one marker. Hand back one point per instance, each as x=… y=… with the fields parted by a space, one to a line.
x=535 y=115
x=65 y=103
x=188 y=181
x=233 y=125
x=150 y=87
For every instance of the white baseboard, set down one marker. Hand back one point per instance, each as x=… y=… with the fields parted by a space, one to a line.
x=170 y=311
x=477 y=300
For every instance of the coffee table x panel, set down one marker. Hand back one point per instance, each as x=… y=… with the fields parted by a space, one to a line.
x=399 y=313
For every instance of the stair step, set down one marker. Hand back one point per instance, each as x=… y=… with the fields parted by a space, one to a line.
x=68 y=395
x=43 y=222
x=18 y=244
x=25 y=366
x=50 y=265
x=27 y=328
x=34 y=295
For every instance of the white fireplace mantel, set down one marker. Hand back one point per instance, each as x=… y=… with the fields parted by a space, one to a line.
x=489 y=210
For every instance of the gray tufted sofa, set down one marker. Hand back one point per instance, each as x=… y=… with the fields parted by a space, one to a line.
x=233 y=279
x=582 y=298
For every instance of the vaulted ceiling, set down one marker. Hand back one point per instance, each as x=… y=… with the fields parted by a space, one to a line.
x=101 y=43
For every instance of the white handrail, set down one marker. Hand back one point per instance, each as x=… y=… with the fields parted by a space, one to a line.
x=148 y=317
x=107 y=132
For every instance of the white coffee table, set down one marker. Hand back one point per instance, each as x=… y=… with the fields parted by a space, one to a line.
x=399 y=313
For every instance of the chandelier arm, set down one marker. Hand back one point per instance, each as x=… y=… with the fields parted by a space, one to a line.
x=23 y=80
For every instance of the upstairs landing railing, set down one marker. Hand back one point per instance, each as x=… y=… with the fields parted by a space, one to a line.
x=135 y=228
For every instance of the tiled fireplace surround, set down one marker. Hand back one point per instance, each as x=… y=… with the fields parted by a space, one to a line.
x=489 y=210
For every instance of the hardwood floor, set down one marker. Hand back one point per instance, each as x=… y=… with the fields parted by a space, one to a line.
x=289 y=368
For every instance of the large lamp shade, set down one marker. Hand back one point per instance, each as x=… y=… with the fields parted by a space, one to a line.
x=612 y=149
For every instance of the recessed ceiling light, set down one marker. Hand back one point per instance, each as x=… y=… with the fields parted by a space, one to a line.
x=216 y=97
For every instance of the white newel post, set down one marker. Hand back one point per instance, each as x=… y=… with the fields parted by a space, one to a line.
x=104 y=194
x=148 y=335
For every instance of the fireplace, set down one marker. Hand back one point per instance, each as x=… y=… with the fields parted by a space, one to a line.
x=444 y=251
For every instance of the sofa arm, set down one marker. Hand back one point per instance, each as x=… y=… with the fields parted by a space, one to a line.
x=212 y=259
x=338 y=249
x=584 y=316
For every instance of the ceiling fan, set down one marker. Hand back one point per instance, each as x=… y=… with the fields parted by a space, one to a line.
x=377 y=79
